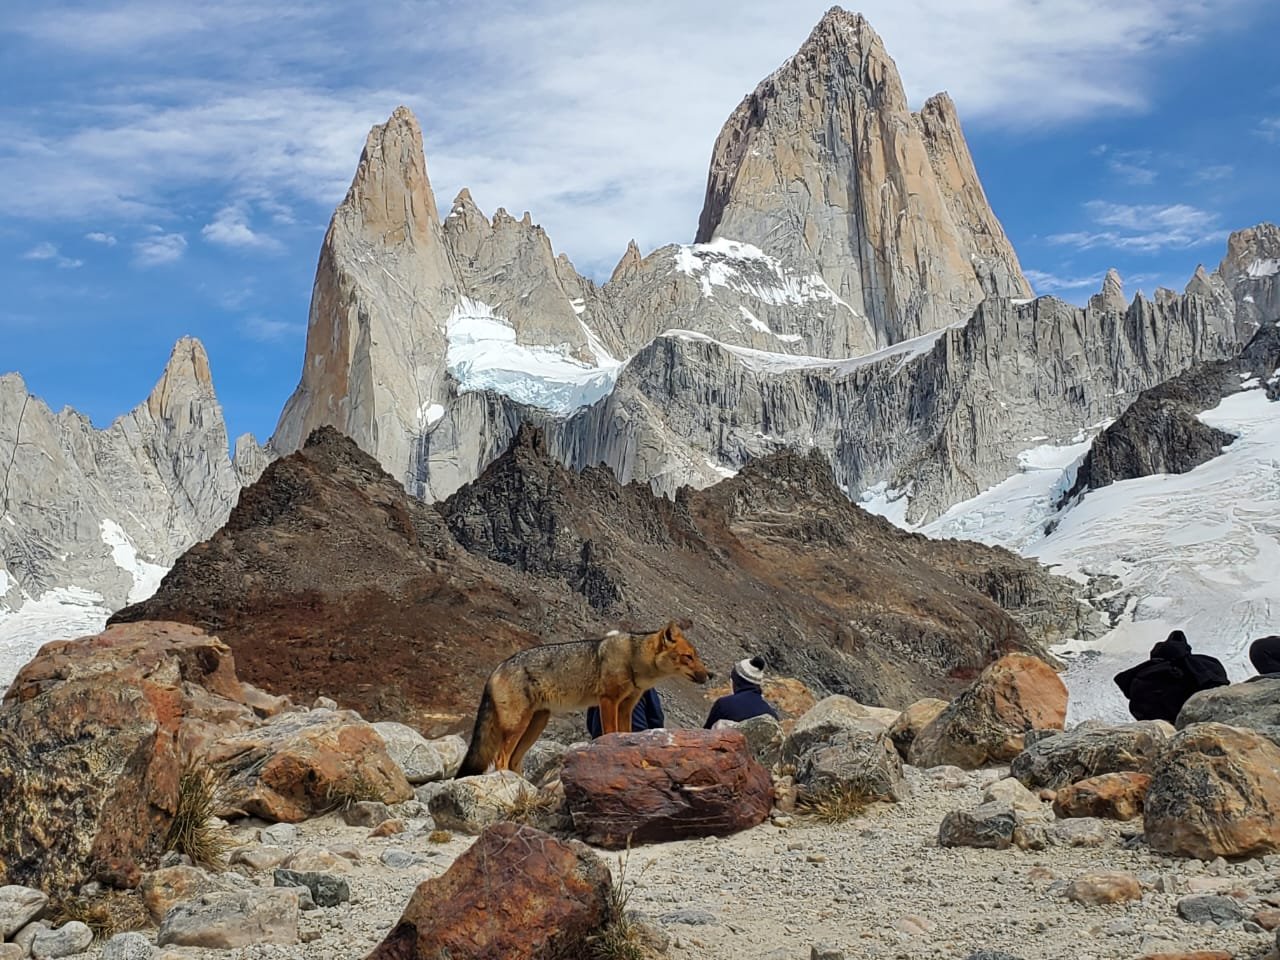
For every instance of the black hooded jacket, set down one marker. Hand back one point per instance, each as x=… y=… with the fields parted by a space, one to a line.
x=1157 y=688
x=1264 y=654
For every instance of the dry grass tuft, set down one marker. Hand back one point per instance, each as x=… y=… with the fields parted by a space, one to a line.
x=531 y=808
x=834 y=804
x=113 y=912
x=346 y=793
x=623 y=936
x=439 y=836
x=190 y=832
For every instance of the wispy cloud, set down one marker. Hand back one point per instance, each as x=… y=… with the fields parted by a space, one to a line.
x=230 y=228
x=46 y=251
x=159 y=249
x=1213 y=173
x=287 y=92
x=106 y=239
x=1144 y=228
x=1269 y=129
x=1043 y=282
x=266 y=330
x=1135 y=167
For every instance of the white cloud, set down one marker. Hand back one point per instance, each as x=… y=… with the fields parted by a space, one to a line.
x=602 y=126
x=230 y=228
x=265 y=330
x=46 y=251
x=1269 y=129
x=159 y=249
x=1132 y=166
x=106 y=239
x=1043 y=282
x=1213 y=173
x=1144 y=228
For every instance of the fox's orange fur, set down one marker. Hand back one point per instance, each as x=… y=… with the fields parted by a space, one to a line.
x=528 y=687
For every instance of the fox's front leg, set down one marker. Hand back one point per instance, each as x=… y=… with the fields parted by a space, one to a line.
x=625 y=708
x=608 y=715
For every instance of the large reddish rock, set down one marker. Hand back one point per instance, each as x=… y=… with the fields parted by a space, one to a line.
x=1215 y=792
x=989 y=721
x=92 y=736
x=298 y=765
x=1112 y=796
x=516 y=894
x=664 y=785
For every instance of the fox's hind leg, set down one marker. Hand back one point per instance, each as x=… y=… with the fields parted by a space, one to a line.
x=537 y=724
x=512 y=737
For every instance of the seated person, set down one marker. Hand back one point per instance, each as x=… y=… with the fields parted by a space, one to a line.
x=746 y=701
x=647 y=715
x=1157 y=688
x=1264 y=654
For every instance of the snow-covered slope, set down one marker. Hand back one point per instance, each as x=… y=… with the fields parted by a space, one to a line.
x=1198 y=551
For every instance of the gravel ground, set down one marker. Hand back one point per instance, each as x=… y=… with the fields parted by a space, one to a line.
x=878 y=886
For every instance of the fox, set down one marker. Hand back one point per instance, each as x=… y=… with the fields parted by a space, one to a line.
x=612 y=672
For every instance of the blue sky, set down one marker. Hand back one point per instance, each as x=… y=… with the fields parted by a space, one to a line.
x=169 y=168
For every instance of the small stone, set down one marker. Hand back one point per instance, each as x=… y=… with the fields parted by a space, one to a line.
x=815 y=858
x=128 y=946
x=259 y=858
x=70 y=938
x=324 y=703
x=387 y=828
x=989 y=826
x=366 y=813
x=825 y=951
x=1106 y=886
x=18 y=907
x=398 y=859
x=326 y=889
x=280 y=834
x=1211 y=908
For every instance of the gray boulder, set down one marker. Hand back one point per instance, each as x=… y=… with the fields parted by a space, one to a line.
x=1089 y=750
x=989 y=826
x=128 y=946
x=18 y=907
x=326 y=889
x=69 y=939
x=415 y=754
x=1255 y=704
x=224 y=921
x=862 y=760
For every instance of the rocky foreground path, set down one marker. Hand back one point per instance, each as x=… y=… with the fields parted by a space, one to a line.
x=875 y=886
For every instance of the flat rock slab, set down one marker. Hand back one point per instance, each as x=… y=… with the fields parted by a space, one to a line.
x=664 y=785
x=223 y=921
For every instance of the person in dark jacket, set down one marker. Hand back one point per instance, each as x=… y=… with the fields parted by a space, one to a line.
x=647 y=715
x=746 y=701
x=1157 y=688
x=1264 y=654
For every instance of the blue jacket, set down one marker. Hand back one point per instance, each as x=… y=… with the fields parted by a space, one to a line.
x=745 y=702
x=647 y=715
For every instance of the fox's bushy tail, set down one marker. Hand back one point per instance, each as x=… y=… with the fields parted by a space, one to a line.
x=486 y=738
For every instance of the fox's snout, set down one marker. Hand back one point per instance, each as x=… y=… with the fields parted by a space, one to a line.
x=701 y=676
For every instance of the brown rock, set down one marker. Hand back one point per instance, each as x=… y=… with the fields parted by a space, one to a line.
x=126 y=704
x=1107 y=886
x=1267 y=918
x=297 y=765
x=1113 y=796
x=912 y=720
x=516 y=894
x=1190 y=955
x=164 y=888
x=988 y=721
x=1214 y=794
x=388 y=828
x=664 y=785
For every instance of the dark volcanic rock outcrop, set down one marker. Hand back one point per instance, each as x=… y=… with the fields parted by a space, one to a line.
x=1161 y=432
x=329 y=579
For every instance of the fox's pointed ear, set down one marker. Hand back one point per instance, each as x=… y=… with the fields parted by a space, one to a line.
x=666 y=637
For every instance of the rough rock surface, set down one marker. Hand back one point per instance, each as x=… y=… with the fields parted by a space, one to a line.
x=90 y=508
x=412 y=752
x=1254 y=704
x=664 y=785
x=553 y=896
x=989 y=720
x=1090 y=749
x=469 y=804
x=911 y=721
x=1112 y=796
x=825 y=166
x=1214 y=793
x=224 y=920
x=863 y=761
x=128 y=704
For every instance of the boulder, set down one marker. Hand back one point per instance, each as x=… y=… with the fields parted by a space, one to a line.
x=552 y=897
x=326 y=889
x=365 y=813
x=259 y=858
x=863 y=760
x=470 y=804
x=230 y=919
x=1111 y=796
x=662 y=785
x=298 y=765
x=1216 y=909
x=1214 y=793
x=18 y=907
x=67 y=940
x=989 y=826
x=1105 y=886
x=128 y=946
x=127 y=704
x=764 y=738
x=165 y=888
x=415 y=755
x=1014 y=795
x=452 y=749
x=1088 y=751
x=1254 y=704
x=543 y=761
x=987 y=723
x=912 y=720
x=828 y=717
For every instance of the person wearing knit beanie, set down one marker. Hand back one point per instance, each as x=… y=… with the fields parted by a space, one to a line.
x=747 y=700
